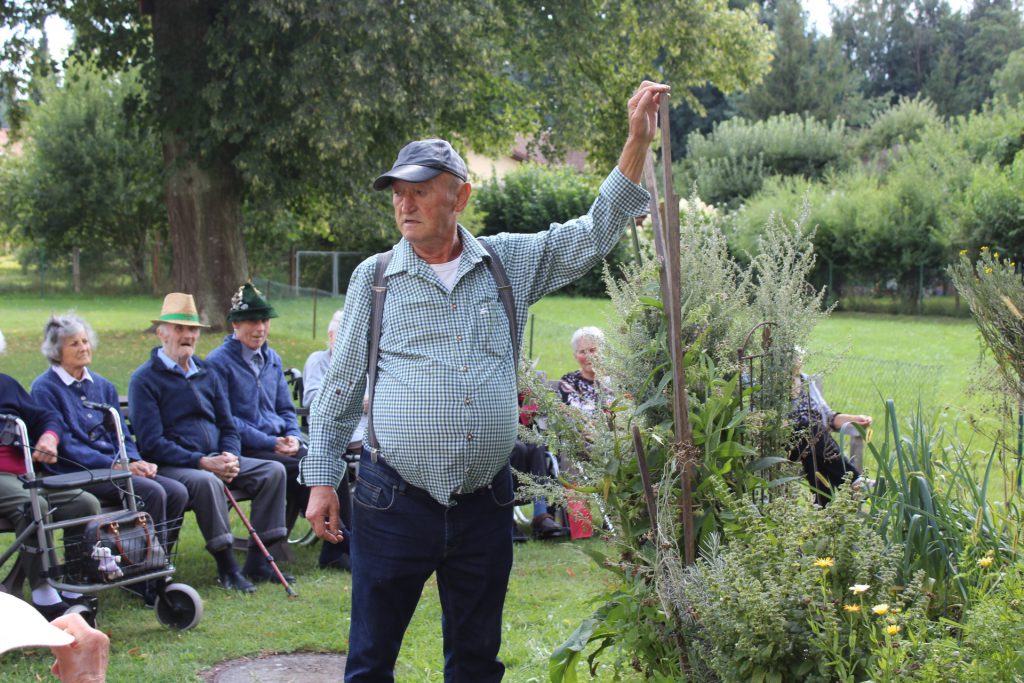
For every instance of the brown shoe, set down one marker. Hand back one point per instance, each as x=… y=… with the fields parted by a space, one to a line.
x=544 y=526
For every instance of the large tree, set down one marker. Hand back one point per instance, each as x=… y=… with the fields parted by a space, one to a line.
x=89 y=177
x=277 y=98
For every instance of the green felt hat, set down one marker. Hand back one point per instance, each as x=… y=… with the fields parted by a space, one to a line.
x=248 y=303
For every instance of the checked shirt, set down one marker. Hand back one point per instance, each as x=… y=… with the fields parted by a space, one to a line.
x=445 y=408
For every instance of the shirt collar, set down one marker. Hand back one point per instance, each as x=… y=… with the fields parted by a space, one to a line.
x=247 y=353
x=171 y=364
x=406 y=260
x=66 y=377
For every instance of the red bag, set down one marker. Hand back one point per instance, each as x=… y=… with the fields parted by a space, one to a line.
x=580 y=523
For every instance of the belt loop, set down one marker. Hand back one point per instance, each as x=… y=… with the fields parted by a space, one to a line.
x=373 y=455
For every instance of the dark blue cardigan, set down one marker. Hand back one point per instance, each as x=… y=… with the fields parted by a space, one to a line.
x=178 y=420
x=86 y=440
x=262 y=407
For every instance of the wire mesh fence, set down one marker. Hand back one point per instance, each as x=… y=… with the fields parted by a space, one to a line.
x=859 y=385
x=852 y=384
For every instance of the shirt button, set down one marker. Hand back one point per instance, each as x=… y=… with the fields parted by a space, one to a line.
x=458 y=337
x=468 y=401
x=454 y=306
x=465 y=368
x=469 y=437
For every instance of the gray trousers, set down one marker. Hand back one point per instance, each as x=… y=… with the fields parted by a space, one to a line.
x=260 y=480
x=14 y=501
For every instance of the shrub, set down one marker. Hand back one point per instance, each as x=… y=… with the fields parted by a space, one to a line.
x=732 y=162
x=900 y=124
x=804 y=594
x=531 y=197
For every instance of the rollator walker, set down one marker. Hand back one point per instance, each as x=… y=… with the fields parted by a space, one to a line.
x=124 y=548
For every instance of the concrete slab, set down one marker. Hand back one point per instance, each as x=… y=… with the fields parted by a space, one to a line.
x=297 y=667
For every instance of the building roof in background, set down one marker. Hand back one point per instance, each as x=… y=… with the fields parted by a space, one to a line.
x=483 y=167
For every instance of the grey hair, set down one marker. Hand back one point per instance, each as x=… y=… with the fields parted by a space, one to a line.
x=335 y=321
x=60 y=327
x=3 y=343
x=591 y=332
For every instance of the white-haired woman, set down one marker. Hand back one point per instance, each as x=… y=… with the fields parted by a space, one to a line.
x=68 y=388
x=44 y=430
x=580 y=388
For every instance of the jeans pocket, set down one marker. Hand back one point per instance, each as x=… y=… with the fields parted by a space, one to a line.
x=502 y=489
x=372 y=496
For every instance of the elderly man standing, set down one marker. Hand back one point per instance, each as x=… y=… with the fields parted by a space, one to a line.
x=182 y=421
x=435 y=491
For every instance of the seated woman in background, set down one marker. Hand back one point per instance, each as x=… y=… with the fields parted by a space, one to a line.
x=44 y=431
x=813 y=423
x=581 y=389
x=333 y=556
x=89 y=442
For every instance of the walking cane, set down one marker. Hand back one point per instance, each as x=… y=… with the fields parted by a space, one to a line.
x=259 y=544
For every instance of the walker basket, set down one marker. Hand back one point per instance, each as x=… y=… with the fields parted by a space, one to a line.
x=118 y=546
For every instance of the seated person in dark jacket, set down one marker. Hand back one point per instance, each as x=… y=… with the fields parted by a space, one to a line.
x=261 y=403
x=813 y=422
x=43 y=430
x=182 y=421
x=88 y=441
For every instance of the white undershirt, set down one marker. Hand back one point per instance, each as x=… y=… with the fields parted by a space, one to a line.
x=446 y=273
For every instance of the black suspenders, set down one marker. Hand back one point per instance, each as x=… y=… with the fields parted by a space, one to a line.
x=380 y=291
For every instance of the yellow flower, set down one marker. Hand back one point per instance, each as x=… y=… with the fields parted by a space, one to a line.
x=880 y=608
x=824 y=562
x=851 y=608
x=984 y=248
x=963 y=252
x=988 y=270
x=986 y=561
x=858 y=588
x=995 y=255
x=892 y=629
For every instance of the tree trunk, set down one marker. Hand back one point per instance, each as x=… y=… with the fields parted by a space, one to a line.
x=76 y=268
x=204 y=189
x=157 y=267
x=204 y=215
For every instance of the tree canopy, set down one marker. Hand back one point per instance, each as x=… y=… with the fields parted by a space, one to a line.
x=279 y=98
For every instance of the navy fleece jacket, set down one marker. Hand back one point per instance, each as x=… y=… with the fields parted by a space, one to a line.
x=86 y=440
x=177 y=419
x=262 y=407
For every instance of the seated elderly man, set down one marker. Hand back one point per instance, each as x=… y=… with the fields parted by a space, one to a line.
x=182 y=421
x=258 y=393
x=43 y=430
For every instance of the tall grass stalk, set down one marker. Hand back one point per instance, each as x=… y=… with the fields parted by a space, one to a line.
x=934 y=500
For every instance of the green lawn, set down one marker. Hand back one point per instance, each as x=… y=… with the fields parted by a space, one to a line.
x=551 y=584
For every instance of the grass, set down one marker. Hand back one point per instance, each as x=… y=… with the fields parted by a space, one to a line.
x=551 y=585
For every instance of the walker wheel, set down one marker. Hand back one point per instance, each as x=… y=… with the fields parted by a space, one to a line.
x=179 y=607
x=84 y=612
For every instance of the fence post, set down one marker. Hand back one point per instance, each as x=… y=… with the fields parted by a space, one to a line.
x=529 y=353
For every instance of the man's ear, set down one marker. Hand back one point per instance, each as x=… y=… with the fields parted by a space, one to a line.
x=462 y=197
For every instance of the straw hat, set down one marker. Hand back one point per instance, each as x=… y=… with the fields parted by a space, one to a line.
x=23 y=626
x=179 y=309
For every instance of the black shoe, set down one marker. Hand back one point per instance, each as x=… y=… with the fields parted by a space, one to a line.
x=545 y=527
x=90 y=602
x=268 y=577
x=51 y=612
x=144 y=590
x=235 y=581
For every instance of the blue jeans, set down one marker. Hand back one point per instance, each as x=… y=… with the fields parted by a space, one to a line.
x=400 y=536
